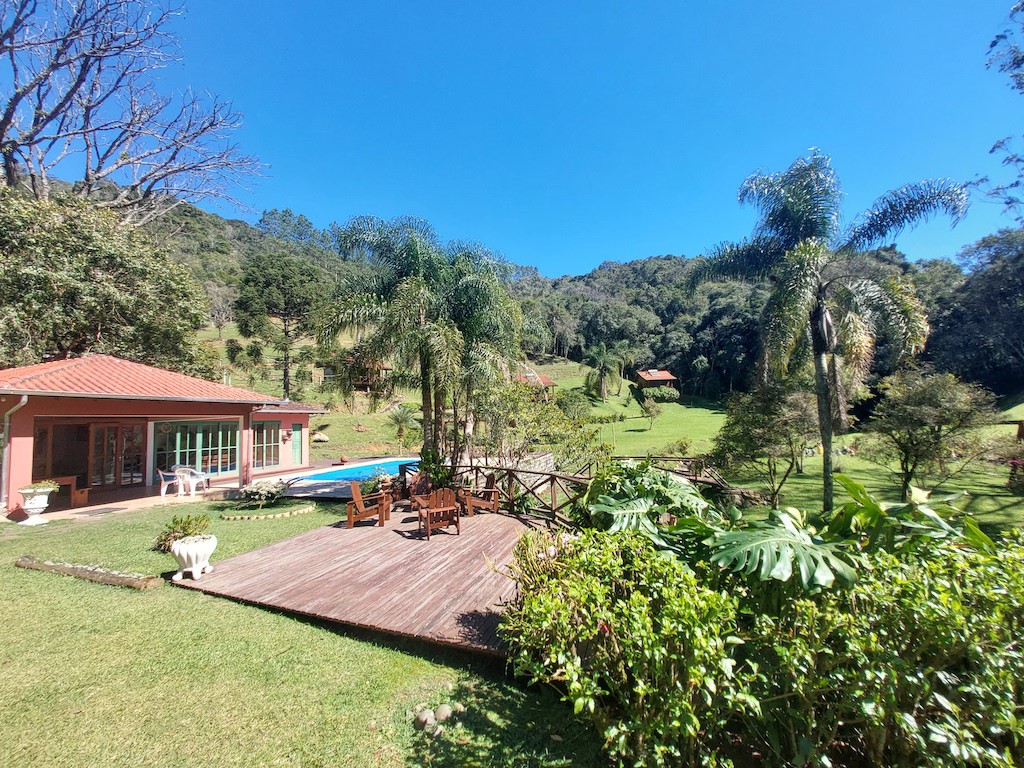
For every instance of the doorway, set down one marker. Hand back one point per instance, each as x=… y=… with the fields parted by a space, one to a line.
x=117 y=456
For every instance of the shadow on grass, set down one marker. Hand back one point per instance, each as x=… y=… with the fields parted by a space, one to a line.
x=1011 y=401
x=693 y=401
x=505 y=726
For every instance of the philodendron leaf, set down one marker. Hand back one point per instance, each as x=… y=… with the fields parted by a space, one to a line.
x=773 y=549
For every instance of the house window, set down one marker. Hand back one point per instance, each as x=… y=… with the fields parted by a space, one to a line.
x=207 y=446
x=266 y=444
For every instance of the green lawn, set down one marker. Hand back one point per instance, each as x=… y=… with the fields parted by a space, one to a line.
x=986 y=499
x=98 y=675
x=694 y=419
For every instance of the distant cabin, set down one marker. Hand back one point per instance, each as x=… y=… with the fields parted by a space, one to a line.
x=656 y=377
x=538 y=380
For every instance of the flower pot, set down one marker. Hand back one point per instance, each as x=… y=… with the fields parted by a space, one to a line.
x=193 y=554
x=34 y=502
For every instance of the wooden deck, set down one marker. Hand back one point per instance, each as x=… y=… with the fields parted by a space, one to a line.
x=386 y=579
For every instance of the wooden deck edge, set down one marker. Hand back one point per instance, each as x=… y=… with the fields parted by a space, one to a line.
x=486 y=650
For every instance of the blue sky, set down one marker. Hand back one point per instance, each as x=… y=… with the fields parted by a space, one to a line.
x=566 y=134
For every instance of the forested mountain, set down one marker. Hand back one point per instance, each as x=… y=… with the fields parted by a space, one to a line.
x=710 y=337
x=978 y=323
x=213 y=247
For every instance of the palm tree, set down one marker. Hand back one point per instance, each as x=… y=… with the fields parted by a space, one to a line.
x=828 y=299
x=626 y=356
x=402 y=418
x=443 y=311
x=605 y=365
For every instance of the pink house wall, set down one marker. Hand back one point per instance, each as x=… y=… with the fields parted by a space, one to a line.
x=22 y=428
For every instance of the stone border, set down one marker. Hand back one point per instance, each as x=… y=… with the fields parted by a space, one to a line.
x=273 y=516
x=92 y=573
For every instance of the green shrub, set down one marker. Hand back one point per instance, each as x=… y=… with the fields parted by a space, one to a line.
x=680 y=447
x=374 y=483
x=660 y=394
x=889 y=638
x=179 y=528
x=434 y=467
x=610 y=418
x=632 y=639
x=263 y=493
x=574 y=403
x=942 y=670
x=917 y=665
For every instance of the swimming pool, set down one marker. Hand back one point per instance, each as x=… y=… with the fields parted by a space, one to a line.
x=360 y=472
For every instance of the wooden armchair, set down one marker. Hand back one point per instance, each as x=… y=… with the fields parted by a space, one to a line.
x=417 y=484
x=371 y=505
x=481 y=499
x=441 y=510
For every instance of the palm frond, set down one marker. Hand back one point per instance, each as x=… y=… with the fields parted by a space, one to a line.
x=802 y=202
x=356 y=311
x=789 y=306
x=855 y=342
x=890 y=303
x=443 y=343
x=905 y=207
x=753 y=259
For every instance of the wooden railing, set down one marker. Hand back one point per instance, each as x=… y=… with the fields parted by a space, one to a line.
x=694 y=469
x=538 y=493
x=549 y=495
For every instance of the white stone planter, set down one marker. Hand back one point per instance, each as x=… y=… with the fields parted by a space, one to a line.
x=33 y=504
x=193 y=554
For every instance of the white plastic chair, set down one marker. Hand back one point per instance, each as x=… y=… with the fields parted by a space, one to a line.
x=189 y=478
x=167 y=479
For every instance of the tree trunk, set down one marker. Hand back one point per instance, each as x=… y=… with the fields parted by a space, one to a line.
x=286 y=361
x=439 y=427
x=10 y=169
x=819 y=344
x=426 y=407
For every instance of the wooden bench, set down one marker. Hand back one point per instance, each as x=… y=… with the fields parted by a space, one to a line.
x=79 y=498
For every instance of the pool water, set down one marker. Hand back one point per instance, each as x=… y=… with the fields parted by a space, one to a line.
x=360 y=472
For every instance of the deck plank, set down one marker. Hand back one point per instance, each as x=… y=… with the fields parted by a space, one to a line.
x=383 y=578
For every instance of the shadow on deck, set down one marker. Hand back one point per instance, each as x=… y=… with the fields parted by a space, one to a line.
x=384 y=579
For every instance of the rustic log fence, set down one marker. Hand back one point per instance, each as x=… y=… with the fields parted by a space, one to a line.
x=541 y=494
x=549 y=495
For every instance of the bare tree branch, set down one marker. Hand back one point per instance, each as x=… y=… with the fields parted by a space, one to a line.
x=80 y=78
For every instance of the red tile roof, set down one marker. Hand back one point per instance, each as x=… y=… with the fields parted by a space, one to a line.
x=288 y=407
x=655 y=374
x=110 y=377
x=536 y=379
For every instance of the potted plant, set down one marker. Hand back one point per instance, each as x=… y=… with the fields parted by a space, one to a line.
x=185 y=538
x=35 y=499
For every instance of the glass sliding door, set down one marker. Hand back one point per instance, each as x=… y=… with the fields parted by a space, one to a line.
x=266 y=444
x=206 y=446
x=133 y=454
x=103 y=456
x=117 y=455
